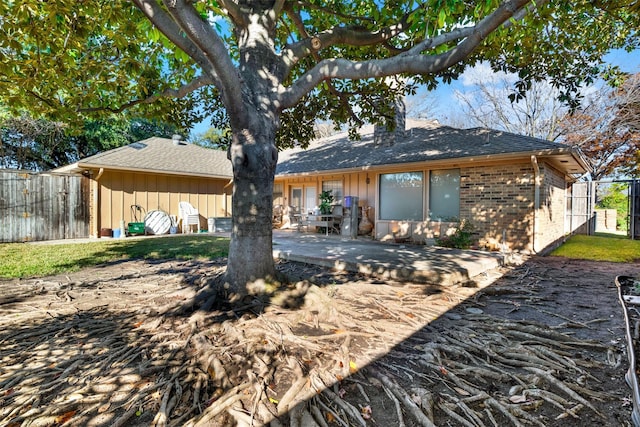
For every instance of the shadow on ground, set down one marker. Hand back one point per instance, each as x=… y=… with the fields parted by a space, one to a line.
x=523 y=346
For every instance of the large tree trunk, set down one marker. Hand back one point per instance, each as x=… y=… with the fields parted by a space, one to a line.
x=254 y=157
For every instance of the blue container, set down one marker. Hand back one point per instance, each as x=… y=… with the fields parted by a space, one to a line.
x=347 y=201
x=116 y=232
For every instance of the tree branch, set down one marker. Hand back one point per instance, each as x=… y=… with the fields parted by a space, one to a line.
x=412 y=61
x=233 y=10
x=340 y=35
x=161 y=20
x=213 y=48
x=181 y=92
x=297 y=21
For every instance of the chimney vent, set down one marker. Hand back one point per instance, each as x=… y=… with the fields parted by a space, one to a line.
x=176 y=139
x=382 y=136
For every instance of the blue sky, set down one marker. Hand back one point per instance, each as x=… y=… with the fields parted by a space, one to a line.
x=445 y=100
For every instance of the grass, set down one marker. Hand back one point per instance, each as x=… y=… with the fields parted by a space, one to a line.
x=601 y=247
x=22 y=260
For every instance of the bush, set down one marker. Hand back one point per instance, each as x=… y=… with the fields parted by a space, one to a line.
x=462 y=237
x=326 y=199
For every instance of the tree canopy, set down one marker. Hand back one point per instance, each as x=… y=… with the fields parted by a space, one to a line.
x=268 y=69
x=487 y=104
x=41 y=144
x=604 y=129
x=68 y=59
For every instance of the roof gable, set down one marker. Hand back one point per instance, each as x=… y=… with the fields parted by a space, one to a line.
x=423 y=141
x=160 y=155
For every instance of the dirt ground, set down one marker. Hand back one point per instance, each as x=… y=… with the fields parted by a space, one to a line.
x=537 y=344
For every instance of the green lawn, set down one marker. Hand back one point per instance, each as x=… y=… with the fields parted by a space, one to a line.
x=601 y=247
x=32 y=260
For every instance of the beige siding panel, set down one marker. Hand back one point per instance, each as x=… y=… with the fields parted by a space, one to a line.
x=153 y=197
x=128 y=196
x=173 y=188
x=202 y=198
x=163 y=195
x=118 y=191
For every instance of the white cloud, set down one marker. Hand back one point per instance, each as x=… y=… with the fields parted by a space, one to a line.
x=482 y=73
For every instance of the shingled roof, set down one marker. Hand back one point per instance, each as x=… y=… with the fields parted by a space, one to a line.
x=424 y=141
x=159 y=155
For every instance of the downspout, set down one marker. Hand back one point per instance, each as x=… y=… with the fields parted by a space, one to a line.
x=96 y=200
x=536 y=200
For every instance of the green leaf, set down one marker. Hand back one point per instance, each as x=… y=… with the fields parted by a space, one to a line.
x=442 y=16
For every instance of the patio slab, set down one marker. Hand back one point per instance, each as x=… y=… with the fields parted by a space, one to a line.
x=423 y=264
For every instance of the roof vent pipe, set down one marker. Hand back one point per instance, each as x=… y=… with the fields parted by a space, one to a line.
x=176 y=139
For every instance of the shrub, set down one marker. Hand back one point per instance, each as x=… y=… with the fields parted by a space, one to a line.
x=326 y=199
x=461 y=238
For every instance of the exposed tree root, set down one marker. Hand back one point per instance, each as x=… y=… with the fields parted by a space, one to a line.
x=296 y=361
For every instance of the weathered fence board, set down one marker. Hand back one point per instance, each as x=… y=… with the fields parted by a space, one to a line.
x=580 y=208
x=634 y=211
x=43 y=207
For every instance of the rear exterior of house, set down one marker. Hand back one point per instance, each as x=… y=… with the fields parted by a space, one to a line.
x=418 y=182
x=154 y=174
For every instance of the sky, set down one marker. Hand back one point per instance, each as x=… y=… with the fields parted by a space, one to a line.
x=439 y=103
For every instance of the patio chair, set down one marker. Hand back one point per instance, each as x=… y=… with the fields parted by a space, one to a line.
x=189 y=216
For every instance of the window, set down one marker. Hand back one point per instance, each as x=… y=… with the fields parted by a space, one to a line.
x=444 y=194
x=296 y=199
x=401 y=196
x=336 y=190
x=278 y=190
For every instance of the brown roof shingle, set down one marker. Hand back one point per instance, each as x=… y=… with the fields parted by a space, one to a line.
x=423 y=141
x=160 y=155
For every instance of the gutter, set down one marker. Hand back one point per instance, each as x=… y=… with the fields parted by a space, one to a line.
x=536 y=200
x=85 y=166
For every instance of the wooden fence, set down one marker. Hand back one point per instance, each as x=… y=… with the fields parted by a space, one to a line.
x=634 y=209
x=580 y=208
x=37 y=206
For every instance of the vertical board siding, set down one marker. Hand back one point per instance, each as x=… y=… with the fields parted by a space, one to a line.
x=120 y=190
x=36 y=207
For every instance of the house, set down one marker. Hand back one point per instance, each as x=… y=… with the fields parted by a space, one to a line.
x=155 y=174
x=412 y=180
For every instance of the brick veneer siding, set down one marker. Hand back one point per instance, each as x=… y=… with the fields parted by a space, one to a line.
x=551 y=215
x=499 y=199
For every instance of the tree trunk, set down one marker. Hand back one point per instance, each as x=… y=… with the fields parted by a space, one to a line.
x=254 y=156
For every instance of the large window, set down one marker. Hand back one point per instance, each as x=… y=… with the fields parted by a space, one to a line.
x=444 y=194
x=401 y=196
x=336 y=190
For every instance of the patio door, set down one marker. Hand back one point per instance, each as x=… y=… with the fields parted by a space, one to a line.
x=310 y=199
x=296 y=199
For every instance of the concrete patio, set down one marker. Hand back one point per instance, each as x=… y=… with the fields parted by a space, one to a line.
x=423 y=264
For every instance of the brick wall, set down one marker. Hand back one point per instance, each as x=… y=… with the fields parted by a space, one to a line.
x=497 y=200
x=551 y=215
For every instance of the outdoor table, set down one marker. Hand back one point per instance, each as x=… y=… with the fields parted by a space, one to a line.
x=321 y=220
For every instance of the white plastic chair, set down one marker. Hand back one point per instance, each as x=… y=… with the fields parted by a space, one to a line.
x=188 y=216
